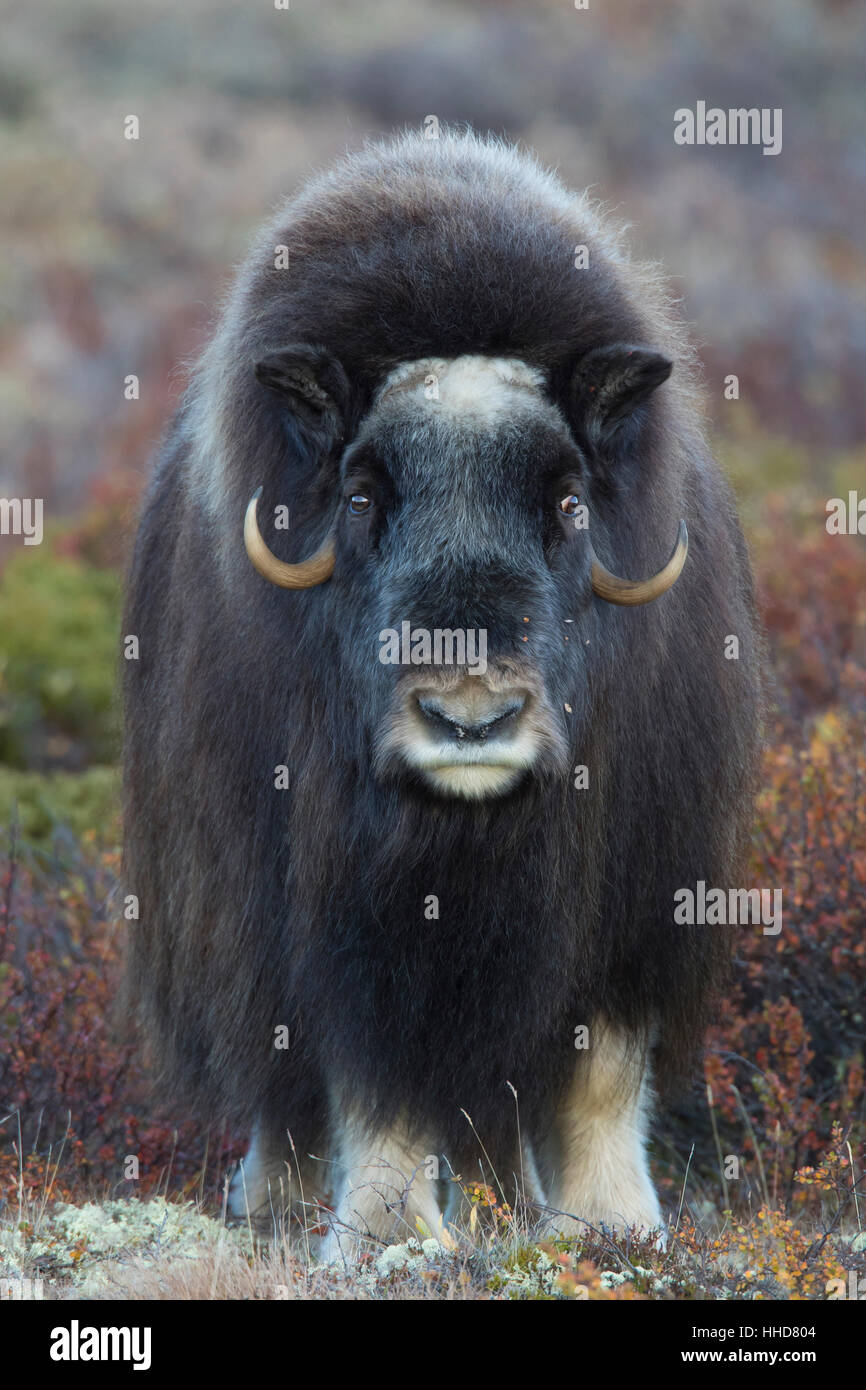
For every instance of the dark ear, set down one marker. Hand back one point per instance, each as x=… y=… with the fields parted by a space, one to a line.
x=610 y=383
x=312 y=383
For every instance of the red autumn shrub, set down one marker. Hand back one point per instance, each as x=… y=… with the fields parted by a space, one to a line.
x=792 y=1035
x=812 y=593
x=786 y=1060
x=73 y=1090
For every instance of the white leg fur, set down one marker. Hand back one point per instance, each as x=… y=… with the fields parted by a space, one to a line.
x=383 y=1189
x=603 y=1174
x=271 y=1177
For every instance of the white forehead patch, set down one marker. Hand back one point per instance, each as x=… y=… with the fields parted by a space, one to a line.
x=473 y=387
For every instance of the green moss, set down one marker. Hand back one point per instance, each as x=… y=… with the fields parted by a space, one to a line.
x=43 y=802
x=59 y=621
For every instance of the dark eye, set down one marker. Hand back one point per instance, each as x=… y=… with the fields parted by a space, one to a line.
x=570 y=504
x=359 y=503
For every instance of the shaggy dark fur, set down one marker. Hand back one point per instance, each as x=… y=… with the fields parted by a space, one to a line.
x=306 y=907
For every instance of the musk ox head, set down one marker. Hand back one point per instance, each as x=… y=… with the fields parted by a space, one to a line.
x=460 y=530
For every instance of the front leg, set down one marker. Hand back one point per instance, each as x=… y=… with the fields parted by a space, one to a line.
x=387 y=1182
x=602 y=1173
x=272 y=1177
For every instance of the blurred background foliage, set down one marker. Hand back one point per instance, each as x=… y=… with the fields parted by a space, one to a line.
x=117 y=253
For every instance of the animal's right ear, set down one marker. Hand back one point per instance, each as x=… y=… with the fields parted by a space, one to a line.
x=313 y=385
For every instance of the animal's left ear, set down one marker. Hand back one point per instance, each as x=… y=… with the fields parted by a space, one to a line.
x=610 y=383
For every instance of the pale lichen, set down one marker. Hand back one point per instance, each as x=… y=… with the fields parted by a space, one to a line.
x=78 y=1244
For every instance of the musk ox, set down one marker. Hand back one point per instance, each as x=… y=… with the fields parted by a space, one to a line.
x=380 y=890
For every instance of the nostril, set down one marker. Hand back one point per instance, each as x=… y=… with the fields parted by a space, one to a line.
x=463 y=724
x=439 y=717
x=498 y=721
x=510 y=710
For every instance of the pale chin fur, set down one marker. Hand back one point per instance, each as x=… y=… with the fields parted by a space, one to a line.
x=472 y=775
x=472 y=781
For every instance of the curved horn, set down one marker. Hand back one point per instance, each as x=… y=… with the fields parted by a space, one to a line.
x=303 y=576
x=632 y=591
